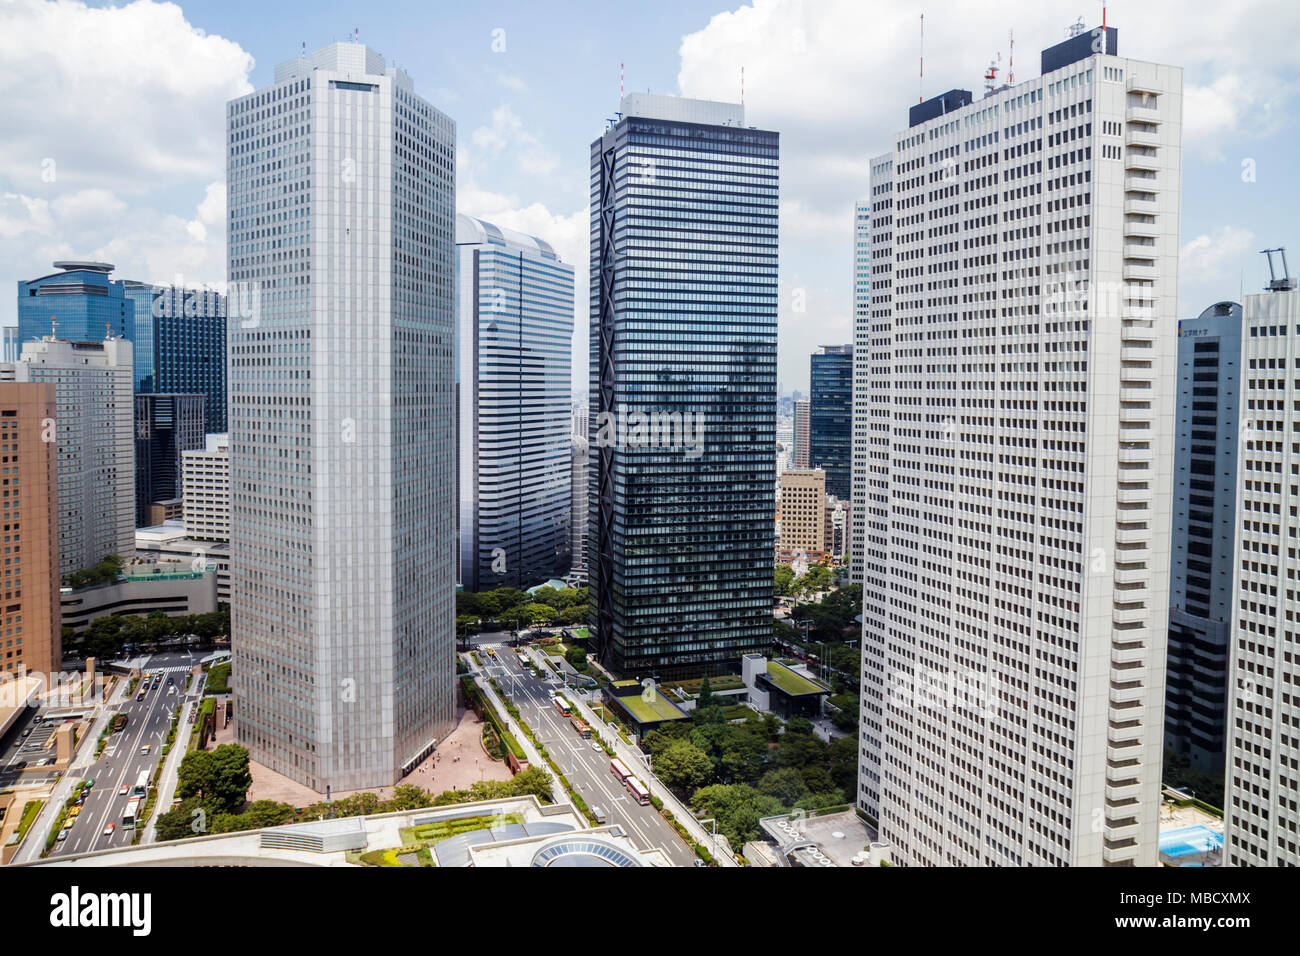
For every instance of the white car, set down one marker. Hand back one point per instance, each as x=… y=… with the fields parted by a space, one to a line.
x=595 y=745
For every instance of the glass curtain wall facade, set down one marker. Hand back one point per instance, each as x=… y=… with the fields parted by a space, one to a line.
x=830 y=426
x=180 y=344
x=81 y=298
x=165 y=426
x=683 y=323
x=1205 y=512
x=515 y=366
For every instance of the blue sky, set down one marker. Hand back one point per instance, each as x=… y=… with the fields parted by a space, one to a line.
x=125 y=103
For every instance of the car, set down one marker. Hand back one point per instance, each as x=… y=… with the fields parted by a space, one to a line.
x=595 y=745
x=74 y=811
x=170 y=691
x=598 y=813
x=108 y=829
x=170 y=681
x=63 y=835
x=140 y=696
x=26 y=731
x=144 y=751
x=88 y=782
x=124 y=790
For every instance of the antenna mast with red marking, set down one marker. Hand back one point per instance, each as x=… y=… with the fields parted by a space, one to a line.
x=921 y=78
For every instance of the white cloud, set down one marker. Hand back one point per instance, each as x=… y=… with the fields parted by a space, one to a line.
x=1207 y=258
x=114 y=139
x=506 y=136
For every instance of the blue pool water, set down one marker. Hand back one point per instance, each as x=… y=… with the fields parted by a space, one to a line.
x=1186 y=841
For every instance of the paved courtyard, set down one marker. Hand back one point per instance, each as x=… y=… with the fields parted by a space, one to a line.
x=458 y=762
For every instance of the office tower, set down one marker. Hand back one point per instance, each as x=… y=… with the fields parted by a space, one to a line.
x=341 y=202
x=1261 y=823
x=803 y=510
x=165 y=427
x=33 y=638
x=81 y=299
x=683 y=328
x=581 y=424
x=861 y=451
x=1021 y=369
x=578 y=504
x=802 y=412
x=830 y=417
x=205 y=489
x=1201 y=548
x=839 y=515
x=514 y=368
x=179 y=340
x=96 y=453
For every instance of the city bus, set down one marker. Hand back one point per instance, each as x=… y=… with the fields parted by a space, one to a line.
x=617 y=768
x=638 y=791
x=582 y=727
x=141 y=784
x=563 y=706
x=131 y=812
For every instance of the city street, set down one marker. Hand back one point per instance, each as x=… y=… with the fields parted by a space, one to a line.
x=585 y=766
x=148 y=723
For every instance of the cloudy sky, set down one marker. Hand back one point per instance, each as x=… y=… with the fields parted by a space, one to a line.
x=111 y=117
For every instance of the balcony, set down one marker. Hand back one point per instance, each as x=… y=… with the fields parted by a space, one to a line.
x=1141 y=183
x=1119 y=854
x=1137 y=327
x=1143 y=114
x=1134 y=452
x=1129 y=495
x=1137 y=270
x=1120 y=830
x=1136 y=160
x=1133 y=615
x=1128 y=695
x=1128 y=654
x=1141 y=137
x=1136 y=84
x=1139 y=250
x=1123 y=791
x=1130 y=575
x=1134 y=228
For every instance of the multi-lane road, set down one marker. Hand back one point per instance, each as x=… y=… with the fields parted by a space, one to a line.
x=586 y=766
x=123 y=760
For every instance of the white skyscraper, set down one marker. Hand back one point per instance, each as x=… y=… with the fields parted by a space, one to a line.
x=861 y=340
x=1021 y=361
x=96 y=438
x=1262 y=770
x=205 y=487
x=342 y=442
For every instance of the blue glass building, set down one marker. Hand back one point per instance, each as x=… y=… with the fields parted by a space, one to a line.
x=1201 y=566
x=830 y=417
x=682 y=425
x=180 y=344
x=81 y=298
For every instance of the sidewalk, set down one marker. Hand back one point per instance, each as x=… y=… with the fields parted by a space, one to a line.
x=170 y=776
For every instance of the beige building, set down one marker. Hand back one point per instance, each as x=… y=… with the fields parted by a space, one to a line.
x=30 y=631
x=803 y=509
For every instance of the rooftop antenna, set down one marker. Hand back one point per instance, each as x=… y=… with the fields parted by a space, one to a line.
x=304 y=49
x=356 y=34
x=54 y=329
x=991 y=77
x=921 y=78
x=1011 y=57
x=620 y=86
x=742 y=86
x=1076 y=28
x=1284 y=284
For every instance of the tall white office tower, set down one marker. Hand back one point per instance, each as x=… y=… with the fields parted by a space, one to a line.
x=1262 y=769
x=1021 y=374
x=861 y=393
x=515 y=380
x=205 y=489
x=341 y=195
x=95 y=429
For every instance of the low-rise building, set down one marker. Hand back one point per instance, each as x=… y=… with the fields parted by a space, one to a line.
x=175 y=593
x=782 y=688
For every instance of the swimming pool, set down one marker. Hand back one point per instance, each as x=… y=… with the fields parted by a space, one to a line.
x=1188 y=841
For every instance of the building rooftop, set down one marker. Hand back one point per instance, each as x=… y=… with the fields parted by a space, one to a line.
x=791 y=682
x=651 y=711
x=839 y=838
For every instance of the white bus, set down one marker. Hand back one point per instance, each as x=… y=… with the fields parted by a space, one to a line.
x=131 y=812
x=141 y=784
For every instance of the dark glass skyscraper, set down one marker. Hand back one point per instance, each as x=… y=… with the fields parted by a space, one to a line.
x=683 y=387
x=1202 y=563
x=830 y=426
x=180 y=344
x=165 y=426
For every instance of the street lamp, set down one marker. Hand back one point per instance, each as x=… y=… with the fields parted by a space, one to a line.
x=714 y=821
